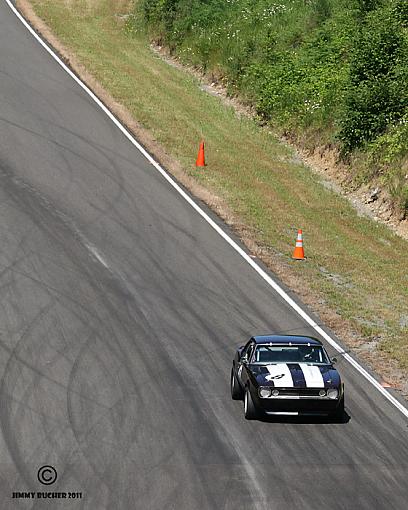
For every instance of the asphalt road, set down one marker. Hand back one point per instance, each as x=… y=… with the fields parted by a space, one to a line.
x=120 y=309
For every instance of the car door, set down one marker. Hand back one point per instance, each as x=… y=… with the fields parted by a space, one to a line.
x=243 y=365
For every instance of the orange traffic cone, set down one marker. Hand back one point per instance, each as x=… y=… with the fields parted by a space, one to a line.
x=299 y=254
x=200 y=161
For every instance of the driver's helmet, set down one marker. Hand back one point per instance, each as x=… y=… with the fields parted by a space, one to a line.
x=306 y=352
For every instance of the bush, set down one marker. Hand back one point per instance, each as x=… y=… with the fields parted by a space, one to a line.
x=329 y=70
x=377 y=94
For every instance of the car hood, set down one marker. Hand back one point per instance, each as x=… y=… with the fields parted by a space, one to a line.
x=296 y=375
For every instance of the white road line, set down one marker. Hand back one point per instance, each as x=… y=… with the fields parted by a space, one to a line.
x=96 y=254
x=218 y=229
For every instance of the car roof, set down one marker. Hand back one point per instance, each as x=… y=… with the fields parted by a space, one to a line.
x=285 y=339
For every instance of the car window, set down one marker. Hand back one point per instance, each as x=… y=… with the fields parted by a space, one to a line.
x=250 y=351
x=245 y=349
x=290 y=354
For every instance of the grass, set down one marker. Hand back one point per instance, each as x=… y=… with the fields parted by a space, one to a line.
x=356 y=266
x=330 y=73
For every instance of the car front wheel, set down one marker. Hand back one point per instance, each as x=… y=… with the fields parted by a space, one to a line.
x=250 y=409
x=236 y=390
x=338 y=414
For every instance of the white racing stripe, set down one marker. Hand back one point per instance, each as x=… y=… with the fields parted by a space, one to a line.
x=277 y=288
x=280 y=375
x=313 y=376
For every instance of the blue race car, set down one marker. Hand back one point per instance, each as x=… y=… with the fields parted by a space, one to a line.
x=285 y=374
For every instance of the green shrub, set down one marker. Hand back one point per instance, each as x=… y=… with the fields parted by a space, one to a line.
x=326 y=70
x=377 y=94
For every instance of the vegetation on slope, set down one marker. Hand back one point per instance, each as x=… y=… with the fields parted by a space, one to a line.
x=330 y=72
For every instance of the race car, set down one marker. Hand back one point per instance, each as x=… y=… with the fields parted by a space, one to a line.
x=286 y=374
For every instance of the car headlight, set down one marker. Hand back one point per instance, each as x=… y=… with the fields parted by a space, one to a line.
x=265 y=392
x=322 y=393
x=333 y=393
x=275 y=393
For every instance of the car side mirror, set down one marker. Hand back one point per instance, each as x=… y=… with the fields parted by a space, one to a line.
x=244 y=359
x=334 y=360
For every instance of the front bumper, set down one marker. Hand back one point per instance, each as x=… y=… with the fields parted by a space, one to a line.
x=299 y=404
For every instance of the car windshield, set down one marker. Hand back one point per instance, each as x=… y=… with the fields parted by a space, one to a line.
x=290 y=354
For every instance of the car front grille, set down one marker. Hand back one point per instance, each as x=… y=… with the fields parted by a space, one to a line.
x=299 y=394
